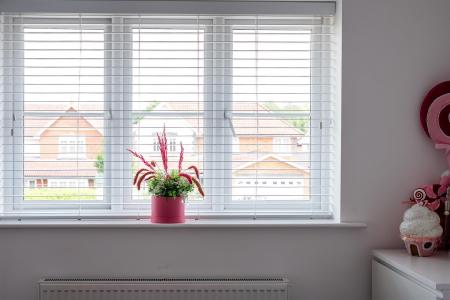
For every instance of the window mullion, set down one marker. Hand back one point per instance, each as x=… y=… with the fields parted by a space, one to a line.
x=17 y=106
x=209 y=147
x=218 y=114
x=126 y=124
x=227 y=46
x=327 y=173
x=316 y=124
x=8 y=116
x=116 y=139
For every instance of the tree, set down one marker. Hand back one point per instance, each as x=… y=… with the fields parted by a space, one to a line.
x=150 y=107
x=301 y=124
x=100 y=163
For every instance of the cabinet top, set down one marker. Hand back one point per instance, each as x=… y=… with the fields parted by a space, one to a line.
x=432 y=271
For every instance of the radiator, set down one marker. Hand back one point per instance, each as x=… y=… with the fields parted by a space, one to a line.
x=164 y=289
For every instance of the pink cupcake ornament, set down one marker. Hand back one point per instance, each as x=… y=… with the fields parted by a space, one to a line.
x=421 y=230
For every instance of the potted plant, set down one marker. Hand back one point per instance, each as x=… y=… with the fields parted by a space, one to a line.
x=169 y=187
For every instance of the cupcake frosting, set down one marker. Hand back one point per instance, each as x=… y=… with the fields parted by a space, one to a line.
x=419 y=221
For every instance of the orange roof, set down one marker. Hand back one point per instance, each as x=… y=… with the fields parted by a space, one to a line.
x=35 y=125
x=251 y=126
x=266 y=125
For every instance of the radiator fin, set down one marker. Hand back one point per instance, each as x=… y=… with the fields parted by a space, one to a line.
x=163 y=289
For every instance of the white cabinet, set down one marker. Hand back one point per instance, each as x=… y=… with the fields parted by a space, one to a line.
x=398 y=276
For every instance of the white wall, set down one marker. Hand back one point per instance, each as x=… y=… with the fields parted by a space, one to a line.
x=393 y=52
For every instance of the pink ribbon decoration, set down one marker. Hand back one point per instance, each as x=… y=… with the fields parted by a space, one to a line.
x=433 y=205
x=426 y=196
x=429 y=191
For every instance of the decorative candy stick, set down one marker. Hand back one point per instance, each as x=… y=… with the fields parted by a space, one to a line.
x=419 y=195
x=446 y=235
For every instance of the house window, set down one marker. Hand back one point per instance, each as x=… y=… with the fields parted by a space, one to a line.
x=282 y=144
x=68 y=183
x=155 y=145
x=172 y=145
x=236 y=91
x=72 y=147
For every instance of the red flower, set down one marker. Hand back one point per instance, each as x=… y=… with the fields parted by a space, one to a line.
x=141 y=157
x=197 y=173
x=162 y=140
x=187 y=176
x=180 y=161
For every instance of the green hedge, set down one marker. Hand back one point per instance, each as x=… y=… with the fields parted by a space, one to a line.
x=66 y=194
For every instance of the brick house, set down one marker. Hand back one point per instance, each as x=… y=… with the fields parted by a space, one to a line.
x=62 y=152
x=275 y=151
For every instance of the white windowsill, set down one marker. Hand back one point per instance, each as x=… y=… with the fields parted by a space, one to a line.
x=235 y=223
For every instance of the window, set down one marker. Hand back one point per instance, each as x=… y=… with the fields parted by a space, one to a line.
x=238 y=92
x=172 y=145
x=72 y=147
x=282 y=144
x=71 y=183
x=155 y=145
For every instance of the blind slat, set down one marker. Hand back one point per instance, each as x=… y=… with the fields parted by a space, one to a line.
x=183 y=8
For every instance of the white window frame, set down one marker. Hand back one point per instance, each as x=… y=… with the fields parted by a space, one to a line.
x=317 y=206
x=217 y=128
x=128 y=25
x=15 y=185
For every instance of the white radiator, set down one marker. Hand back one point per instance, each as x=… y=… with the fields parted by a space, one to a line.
x=164 y=289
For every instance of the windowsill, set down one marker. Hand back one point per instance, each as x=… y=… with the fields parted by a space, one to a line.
x=235 y=223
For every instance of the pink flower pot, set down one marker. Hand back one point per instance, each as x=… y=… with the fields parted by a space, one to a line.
x=167 y=210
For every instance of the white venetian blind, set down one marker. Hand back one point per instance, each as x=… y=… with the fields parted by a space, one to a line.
x=250 y=97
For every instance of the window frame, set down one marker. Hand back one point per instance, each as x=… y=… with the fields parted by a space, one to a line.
x=118 y=108
x=17 y=203
x=130 y=24
x=317 y=206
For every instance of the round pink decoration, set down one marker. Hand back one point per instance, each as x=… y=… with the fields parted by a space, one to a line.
x=437 y=91
x=438 y=124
